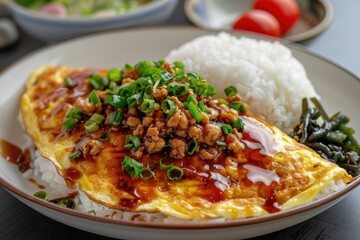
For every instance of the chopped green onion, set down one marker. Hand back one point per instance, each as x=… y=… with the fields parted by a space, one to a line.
x=104 y=137
x=148 y=91
x=94 y=98
x=147 y=106
x=134 y=100
x=142 y=66
x=91 y=126
x=230 y=91
x=238 y=106
x=116 y=118
x=174 y=173
x=221 y=144
x=195 y=112
x=166 y=77
x=94 y=80
x=152 y=164
x=74 y=113
x=193 y=75
x=132 y=167
x=336 y=136
x=75 y=155
x=115 y=75
x=94 y=84
x=179 y=64
x=159 y=63
x=41 y=194
x=223 y=101
x=69 y=124
x=68 y=203
x=69 y=82
x=226 y=128
x=210 y=91
x=190 y=99
x=168 y=107
x=178 y=89
x=203 y=107
x=92 y=212
x=147 y=174
x=132 y=142
x=116 y=101
x=166 y=163
x=128 y=66
x=239 y=124
x=97 y=118
x=192 y=147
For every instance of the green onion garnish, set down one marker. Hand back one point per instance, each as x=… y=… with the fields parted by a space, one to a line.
x=75 y=155
x=132 y=167
x=168 y=107
x=94 y=80
x=134 y=100
x=104 y=137
x=192 y=147
x=238 y=106
x=166 y=163
x=226 y=128
x=94 y=98
x=68 y=203
x=132 y=142
x=74 y=113
x=152 y=164
x=69 y=124
x=97 y=118
x=192 y=75
x=147 y=106
x=174 y=173
x=178 y=89
x=195 y=112
x=179 y=64
x=148 y=91
x=230 y=91
x=116 y=118
x=91 y=126
x=221 y=144
x=203 y=107
x=142 y=66
x=166 y=77
x=116 y=101
x=69 y=82
x=128 y=66
x=115 y=75
x=41 y=194
x=147 y=174
x=239 y=125
x=92 y=212
x=223 y=101
x=159 y=63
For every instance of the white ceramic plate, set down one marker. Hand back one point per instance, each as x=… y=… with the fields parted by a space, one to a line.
x=221 y=14
x=118 y=48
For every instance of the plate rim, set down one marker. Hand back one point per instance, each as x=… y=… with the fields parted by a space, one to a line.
x=319 y=28
x=189 y=225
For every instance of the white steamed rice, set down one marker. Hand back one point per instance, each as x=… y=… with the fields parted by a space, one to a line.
x=269 y=79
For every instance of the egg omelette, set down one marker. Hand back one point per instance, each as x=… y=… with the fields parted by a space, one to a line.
x=151 y=138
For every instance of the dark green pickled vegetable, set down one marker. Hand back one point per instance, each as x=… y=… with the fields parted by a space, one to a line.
x=329 y=137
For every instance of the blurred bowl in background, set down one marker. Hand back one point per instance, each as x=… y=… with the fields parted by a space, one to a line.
x=51 y=28
x=316 y=16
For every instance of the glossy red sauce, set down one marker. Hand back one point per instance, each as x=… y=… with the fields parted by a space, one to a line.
x=40 y=186
x=15 y=155
x=72 y=174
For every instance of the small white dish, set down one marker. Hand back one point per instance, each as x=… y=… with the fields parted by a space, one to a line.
x=328 y=78
x=53 y=29
x=220 y=15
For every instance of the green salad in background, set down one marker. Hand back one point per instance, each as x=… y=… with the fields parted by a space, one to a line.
x=65 y=8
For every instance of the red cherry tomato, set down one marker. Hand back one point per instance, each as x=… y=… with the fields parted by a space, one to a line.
x=258 y=21
x=285 y=11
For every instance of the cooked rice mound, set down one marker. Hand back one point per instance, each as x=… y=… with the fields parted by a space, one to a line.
x=266 y=74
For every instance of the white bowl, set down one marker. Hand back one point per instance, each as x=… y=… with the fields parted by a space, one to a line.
x=53 y=29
